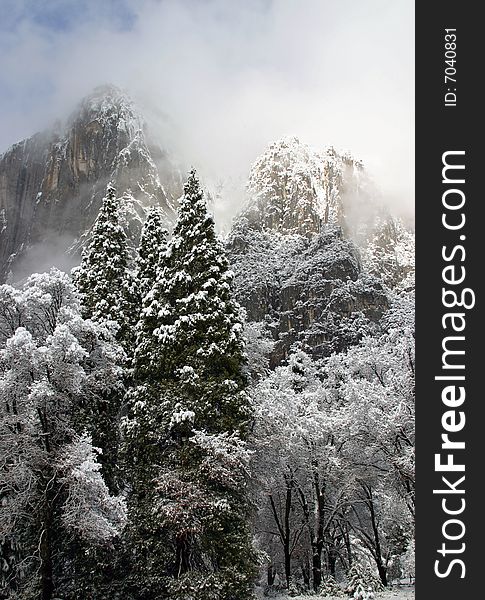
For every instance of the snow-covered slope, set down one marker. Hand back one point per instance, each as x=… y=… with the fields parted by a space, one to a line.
x=308 y=291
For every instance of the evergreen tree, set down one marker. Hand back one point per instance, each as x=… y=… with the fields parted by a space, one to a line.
x=189 y=419
x=190 y=327
x=361 y=580
x=108 y=293
x=104 y=279
x=329 y=587
x=153 y=244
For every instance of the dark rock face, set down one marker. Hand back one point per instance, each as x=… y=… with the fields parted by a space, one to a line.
x=309 y=291
x=52 y=184
x=297 y=266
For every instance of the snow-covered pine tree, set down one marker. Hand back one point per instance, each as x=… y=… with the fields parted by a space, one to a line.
x=361 y=580
x=329 y=587
x=104 y=279
x=189 y=419
x=190 y=327
x=153 y=244
x=108 y=293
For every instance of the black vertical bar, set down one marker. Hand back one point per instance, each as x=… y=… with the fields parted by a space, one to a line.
x=444 y=124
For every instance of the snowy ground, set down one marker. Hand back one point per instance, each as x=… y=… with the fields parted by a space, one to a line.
x=401 y=593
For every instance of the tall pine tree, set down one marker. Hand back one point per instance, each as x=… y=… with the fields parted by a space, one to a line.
x=104 y=279
x=108 y=293
x=189 y=419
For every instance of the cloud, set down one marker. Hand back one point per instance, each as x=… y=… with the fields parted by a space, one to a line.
x=40 y=257
x=219 y=79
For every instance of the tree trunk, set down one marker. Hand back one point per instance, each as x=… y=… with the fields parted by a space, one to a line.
x=48 y=483
x=317 y=565
x=375 y=530
x=271 y=574
x=332 y=561
x=284 y=528
x=287 y=563
x=305 y=571
x=182 y=554
x=45 y=549
x=382 y=572
x=348 y=545
x=317 y=545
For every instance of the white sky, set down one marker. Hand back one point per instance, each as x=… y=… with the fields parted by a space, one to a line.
x=220 y=79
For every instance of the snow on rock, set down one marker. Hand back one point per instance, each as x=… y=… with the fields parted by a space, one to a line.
x=295 y=189
x=390 y=253
x=315 y=253
x=306 y=291
x=59 y=178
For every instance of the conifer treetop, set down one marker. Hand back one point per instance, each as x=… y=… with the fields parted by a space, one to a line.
x=104 y=278
x=190 y=330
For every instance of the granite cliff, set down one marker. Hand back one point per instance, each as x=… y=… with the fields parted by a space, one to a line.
x=51 y=184
x=299 y=252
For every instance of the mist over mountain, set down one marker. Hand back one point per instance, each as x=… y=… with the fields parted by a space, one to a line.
x=52 y=184
x=312 y=243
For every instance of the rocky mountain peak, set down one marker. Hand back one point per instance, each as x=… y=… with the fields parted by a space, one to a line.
x=110 y=110
x=107 y=122
x=295 y=189
x=52 y=184
x=314 y=251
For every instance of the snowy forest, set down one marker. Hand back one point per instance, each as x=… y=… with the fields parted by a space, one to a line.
x=165 y=435
x=207 y=290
